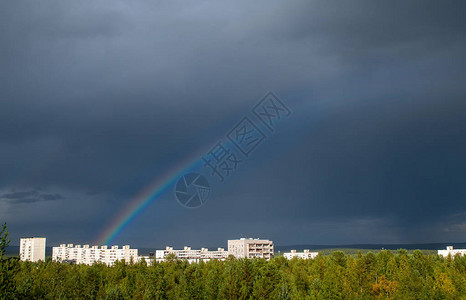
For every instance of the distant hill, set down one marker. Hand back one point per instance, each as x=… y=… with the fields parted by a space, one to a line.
x=431 y=246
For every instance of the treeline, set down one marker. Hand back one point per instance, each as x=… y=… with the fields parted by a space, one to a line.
x=354 y=251
x=337 y=276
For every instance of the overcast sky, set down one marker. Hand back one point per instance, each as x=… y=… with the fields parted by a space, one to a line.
x=100 y=98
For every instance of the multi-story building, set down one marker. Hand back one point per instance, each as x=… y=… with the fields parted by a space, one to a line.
x=451 y=251
x=191 y=255
x=32 y=249
x=251 y=248
x=89 y=255
x=304 y=255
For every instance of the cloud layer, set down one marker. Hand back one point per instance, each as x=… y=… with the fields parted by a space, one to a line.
x=97 y=100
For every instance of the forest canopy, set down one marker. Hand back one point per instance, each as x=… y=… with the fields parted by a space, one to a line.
x=336 y=276
x=375 y=276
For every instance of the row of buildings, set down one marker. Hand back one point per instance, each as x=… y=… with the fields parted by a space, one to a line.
x=190 y=254
x=306 y=254
x=241 y=248
x=89 y=255
x=33 y=249
x=452 y=252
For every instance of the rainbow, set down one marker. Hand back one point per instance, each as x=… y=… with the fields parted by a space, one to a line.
x=144 y=198
x=150 y=193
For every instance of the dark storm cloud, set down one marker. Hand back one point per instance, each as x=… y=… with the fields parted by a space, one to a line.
x=51 y=197
x=30 y=196
x=19 y=195
x=366 y=26
x=99 y=98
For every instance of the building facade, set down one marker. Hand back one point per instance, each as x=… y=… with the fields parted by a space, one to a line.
x=304 y=255
x=32 y=249
x=191 y=255
x=251 y=248
x=89 y=255
x=451 y=251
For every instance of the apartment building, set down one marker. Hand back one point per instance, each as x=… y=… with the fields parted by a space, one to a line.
x=32 y=249
x=89 y=255
x=451 y=251
x=251 y=248
x=304 y=255
x=191 y=255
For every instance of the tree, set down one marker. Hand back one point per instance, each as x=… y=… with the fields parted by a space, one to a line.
x=4 y=240
x=7 y=267
x=334 y=276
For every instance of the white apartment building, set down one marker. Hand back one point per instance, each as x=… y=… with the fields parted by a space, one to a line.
x=251 y=248
x=304 y=255
x=451 y=251
x=191 y=255
x=89 y=255
x=32 y=249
